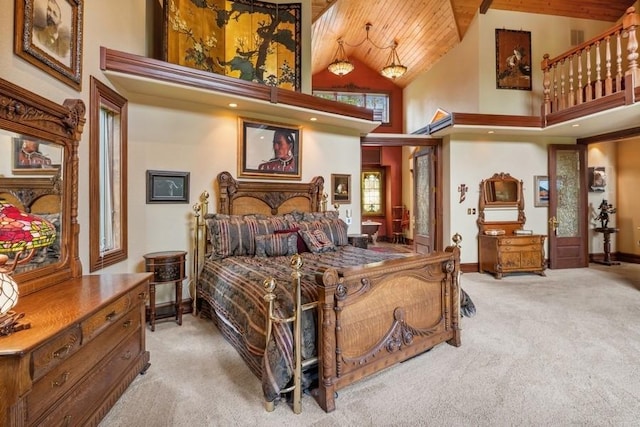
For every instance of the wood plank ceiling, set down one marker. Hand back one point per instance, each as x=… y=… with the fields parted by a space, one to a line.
x=425 y=30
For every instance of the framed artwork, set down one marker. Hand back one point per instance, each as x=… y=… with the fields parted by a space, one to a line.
x=513 y=59
x=34 y=157
x=48 y=34
x=247 y=39
x=269 y=150
x=597 y=179
x=340 y=188
x=541 y=189
x=167 y=187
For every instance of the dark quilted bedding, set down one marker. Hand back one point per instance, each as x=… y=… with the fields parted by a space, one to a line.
x=233 y=287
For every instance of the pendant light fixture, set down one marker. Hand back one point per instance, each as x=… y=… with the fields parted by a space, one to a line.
x=341 y=65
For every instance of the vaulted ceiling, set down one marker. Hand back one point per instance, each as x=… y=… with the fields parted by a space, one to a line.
x=424 y=29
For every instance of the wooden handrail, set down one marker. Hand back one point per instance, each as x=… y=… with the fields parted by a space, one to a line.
x=576 y=76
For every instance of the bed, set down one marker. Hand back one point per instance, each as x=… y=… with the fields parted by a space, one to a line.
x=360 y=311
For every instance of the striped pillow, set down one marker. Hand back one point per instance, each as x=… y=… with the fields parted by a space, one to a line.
x=269 y=245
x=317 y=241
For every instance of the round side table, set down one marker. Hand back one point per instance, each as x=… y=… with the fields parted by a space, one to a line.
x=167 y=267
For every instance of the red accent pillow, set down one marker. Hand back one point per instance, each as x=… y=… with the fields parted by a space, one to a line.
x=302 y=246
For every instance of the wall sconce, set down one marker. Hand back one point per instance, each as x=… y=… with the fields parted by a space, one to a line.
x=341 y=64
x=20 y=234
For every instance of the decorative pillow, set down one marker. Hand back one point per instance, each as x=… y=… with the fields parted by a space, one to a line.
x=231 y=236
x=302 y=246
x=336 y=229
x=317 y=241
x=268 y=245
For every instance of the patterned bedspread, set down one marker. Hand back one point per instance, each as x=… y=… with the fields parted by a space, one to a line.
x=233 y=287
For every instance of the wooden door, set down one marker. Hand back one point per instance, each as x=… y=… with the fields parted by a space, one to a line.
x=568 y=226
x=425 y=239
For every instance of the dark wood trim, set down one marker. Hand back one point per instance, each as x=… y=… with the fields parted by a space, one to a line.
x=476 y=119
x=389 y=141
x=610 y=136
x=127 y=63
x=625 y=257
x=471 y=267
x=580 y=111
x=495 y=120
x=484 y=6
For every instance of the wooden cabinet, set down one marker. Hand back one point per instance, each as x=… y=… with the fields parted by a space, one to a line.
x=86 y=344
x=511 y=254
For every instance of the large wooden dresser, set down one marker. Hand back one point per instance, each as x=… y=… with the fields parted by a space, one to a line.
x=85 y=345
x=511 y=254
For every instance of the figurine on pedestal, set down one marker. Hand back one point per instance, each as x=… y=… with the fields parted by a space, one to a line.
x=606 y=209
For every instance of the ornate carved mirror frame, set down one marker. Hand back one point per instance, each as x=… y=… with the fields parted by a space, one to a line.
x=24 y=113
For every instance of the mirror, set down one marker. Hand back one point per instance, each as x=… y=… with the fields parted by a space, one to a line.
x=501 y=204
x=501 y=190
x=38 y=174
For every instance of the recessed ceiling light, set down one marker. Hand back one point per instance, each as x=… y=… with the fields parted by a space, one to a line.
x=313 y=119
x=233 y=105
x=576 y=125
x=491 y=131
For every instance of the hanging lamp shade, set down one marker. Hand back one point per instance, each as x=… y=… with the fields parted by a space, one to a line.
x=341 y=64
x=21 y=232
x=394 y=67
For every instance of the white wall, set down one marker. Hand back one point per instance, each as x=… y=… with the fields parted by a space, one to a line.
x=522 y=158
x=469 y=70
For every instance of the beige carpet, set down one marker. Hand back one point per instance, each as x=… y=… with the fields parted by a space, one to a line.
x=561 y=350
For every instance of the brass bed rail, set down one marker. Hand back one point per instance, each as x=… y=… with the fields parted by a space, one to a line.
x=296 y=318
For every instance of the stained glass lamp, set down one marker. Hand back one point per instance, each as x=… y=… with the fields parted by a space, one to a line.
x=20 y=234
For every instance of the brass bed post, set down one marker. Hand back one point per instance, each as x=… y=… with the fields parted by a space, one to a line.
x=200 y=210
x=270 y=285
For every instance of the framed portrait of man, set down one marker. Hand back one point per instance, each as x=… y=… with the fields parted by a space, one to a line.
x=34 y=157
x=269 y=150
x=48 y=34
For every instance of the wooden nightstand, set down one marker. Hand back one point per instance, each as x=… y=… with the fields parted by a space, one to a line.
x=167 y=267
x=359 y=240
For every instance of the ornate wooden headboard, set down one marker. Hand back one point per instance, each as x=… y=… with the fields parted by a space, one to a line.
x=34 y=195
x=268 y=198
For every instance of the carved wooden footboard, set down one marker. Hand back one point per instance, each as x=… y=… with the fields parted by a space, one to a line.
x=375 y=316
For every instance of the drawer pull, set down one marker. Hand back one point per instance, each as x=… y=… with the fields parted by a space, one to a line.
x=62 y=351
x=127 y=355
x=60 y=381
x=126 y=324
x=110 y=316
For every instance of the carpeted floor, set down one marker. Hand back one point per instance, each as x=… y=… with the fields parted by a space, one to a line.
x=561 y=350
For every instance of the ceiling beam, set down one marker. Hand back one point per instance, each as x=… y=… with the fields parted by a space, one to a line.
x=485 y=5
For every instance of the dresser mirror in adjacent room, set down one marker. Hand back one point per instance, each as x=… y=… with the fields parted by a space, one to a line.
x=39 y=175
x=501 y=204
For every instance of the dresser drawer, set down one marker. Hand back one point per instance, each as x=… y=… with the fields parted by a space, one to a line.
x=86 y=396
x=112 y=312
x=61 y=379
x=519 y=241
x=54 y=352
x=521 y=248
